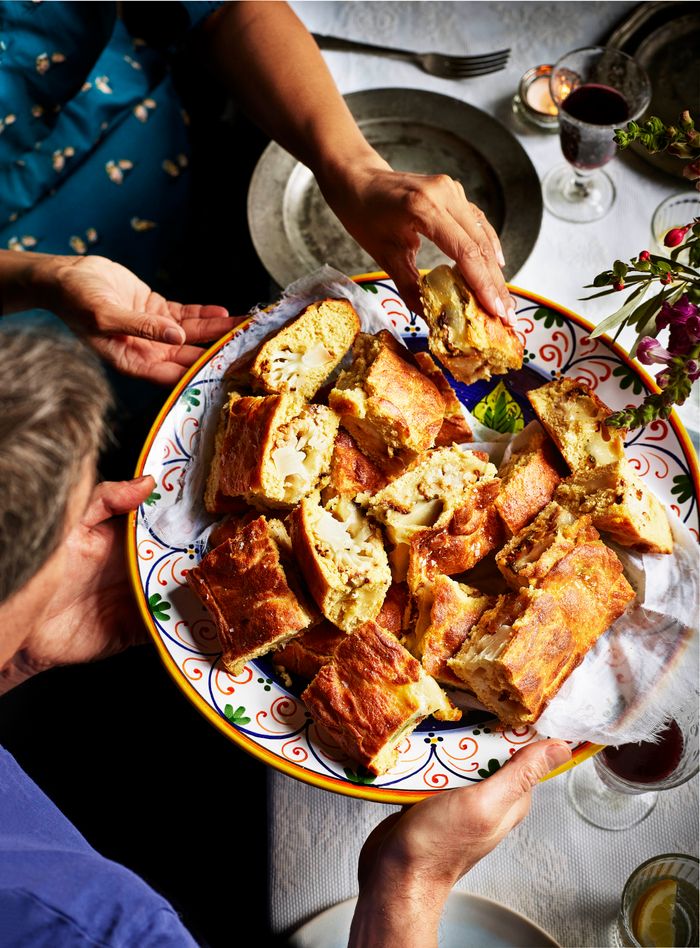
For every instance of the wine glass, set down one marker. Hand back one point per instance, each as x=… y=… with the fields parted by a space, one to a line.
x=619 y=787
x=597 y=90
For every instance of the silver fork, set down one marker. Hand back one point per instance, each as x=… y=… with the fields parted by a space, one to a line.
x=437 y=64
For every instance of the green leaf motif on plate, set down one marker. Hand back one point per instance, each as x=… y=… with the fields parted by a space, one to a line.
x=238 y=716
x=159 y=607
x=682 y=488
x=369 y=287
x=363 y=778
x=491 y=768
x=499 y=411
x=628 y=377
x=152 y=498
x=548 y=316
x=189 y=397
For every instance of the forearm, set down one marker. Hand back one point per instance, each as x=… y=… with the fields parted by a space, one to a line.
x=405 y=918
x=270 y=63
x=24 y=280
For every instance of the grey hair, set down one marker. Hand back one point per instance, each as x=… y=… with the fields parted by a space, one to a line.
x=53 y=401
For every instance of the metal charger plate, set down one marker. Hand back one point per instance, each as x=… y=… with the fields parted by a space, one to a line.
x=664 y=39
x=294 y=231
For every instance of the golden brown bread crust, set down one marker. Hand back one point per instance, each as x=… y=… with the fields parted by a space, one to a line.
x=301 y=356
x=230 y=525
x=620 y=505
x=352 y=472
x=370 y=695
x=308 y=652
x=574 y=418
x=529 y=555
x=521 y=651
x=386 y=403
x=246 y=590
x=473 y=531
x=528 y=480
x=455 y=427
x=468 y=341
x=393 y=616
x=447 y=612
x=347 y=572
x=257 y=436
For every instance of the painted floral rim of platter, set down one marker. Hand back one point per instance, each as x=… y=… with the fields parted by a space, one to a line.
x=254 y=708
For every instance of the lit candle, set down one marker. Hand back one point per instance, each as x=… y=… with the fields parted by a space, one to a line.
x=533 y=101
x=539 y=97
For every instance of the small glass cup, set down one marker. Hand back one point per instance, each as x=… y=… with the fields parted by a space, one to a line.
x=533 y=101
x=676 y=867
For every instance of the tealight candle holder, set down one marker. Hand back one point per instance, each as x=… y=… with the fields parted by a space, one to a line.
x=533 y=101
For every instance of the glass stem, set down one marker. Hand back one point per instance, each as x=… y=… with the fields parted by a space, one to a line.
x=580 y=189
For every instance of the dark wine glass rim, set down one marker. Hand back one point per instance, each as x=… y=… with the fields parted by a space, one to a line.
x=663 y=857
x=607 y=49
x=666 y=784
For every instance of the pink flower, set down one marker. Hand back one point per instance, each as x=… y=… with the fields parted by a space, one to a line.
x=663 y=378
x=692 y=367
x=650 y=350
x=683 y=319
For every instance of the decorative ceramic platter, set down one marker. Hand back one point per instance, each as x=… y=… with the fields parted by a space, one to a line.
x=255 y=709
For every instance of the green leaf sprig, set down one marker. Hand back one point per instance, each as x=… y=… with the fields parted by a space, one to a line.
x=664 y=291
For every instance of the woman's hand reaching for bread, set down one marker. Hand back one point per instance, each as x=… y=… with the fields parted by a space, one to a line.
x=411 y=860
x=387 y=212
x=136 y=330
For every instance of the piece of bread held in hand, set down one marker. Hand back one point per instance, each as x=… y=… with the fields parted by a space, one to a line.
x=462 y=336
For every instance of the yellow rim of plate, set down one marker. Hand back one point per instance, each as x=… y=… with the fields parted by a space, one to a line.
x=346 y=788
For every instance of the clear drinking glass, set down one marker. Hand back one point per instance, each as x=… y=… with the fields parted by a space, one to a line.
x=597 y=89
x=618 y=789
x=662 y=890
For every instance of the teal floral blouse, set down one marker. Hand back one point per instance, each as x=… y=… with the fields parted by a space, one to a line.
x=93 y=138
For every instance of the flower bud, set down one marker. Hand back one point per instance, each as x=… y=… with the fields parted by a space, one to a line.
x=644 y=256
x=663 y=379
x=620 y=285
x=667 y=278
x=676 y=236
x=650 y=350
x=692 y=367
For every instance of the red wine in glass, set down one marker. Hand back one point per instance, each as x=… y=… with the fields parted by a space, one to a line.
x=647 y=762
x=592 y=104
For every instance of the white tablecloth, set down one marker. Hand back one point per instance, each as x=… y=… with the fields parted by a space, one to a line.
x=556 y=869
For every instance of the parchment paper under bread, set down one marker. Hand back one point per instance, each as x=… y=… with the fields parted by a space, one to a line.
x=639 y=672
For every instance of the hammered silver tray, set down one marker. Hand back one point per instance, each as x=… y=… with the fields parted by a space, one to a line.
x=294 y=231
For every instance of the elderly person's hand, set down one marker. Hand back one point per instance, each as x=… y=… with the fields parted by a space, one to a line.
x=136 y=330
x=91 y=613
x=387 y=211
x=412 y=859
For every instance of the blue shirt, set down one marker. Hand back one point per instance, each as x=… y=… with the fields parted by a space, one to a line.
x=94 y=148
x=56 y=890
